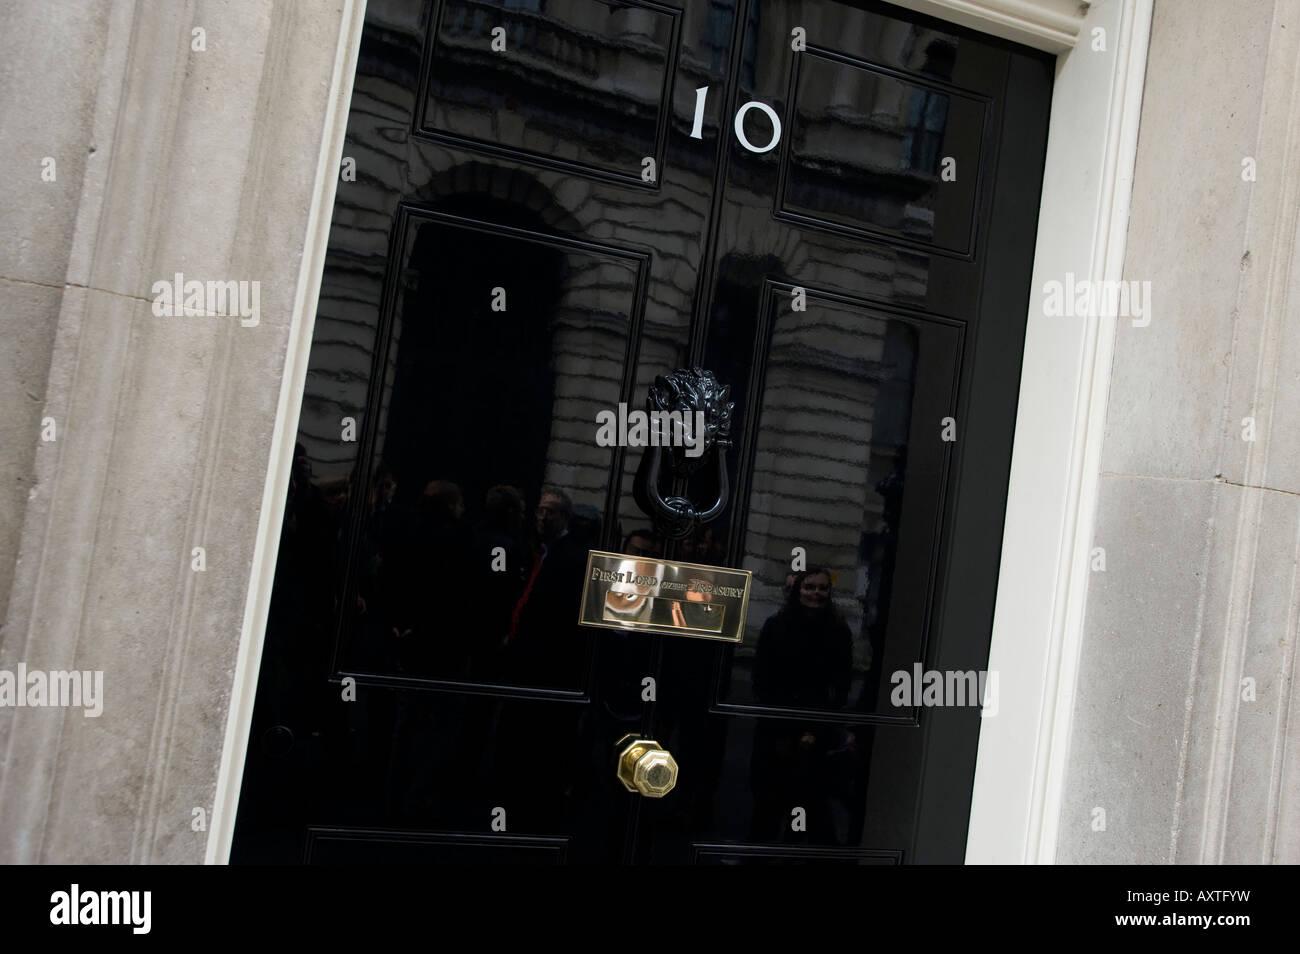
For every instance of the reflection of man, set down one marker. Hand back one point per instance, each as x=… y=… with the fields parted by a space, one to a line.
x=497 y=592
x=543 y=630
x=551 y=523
x=641 y=543
x=584 y=525
x=635 y=604
x=426 y=576
x=553 y=510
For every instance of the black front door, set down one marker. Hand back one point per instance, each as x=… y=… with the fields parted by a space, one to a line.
x=543 y=205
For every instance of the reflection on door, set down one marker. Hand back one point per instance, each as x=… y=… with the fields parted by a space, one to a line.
x=555 y=202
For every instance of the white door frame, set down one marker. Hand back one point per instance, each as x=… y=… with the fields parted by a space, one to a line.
x=1038 y=621
x=252 y=635
x=1055 y=461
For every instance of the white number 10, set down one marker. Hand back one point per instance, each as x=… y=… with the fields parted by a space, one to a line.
x=702 y=94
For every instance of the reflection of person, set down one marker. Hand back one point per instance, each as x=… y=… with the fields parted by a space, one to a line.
x=642 y=543
x=584 y=526
x=703 y=546
x=803 y=661
x=805 y=652
x=696 y=609
x=881 y=549
x=501 y=558
x=632 y=602
x=428 y=571
x=544 y=640
x=381 y=514
x=631 y=606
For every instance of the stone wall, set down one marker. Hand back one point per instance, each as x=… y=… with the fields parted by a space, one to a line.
x=1200 y=526
x=169 y=159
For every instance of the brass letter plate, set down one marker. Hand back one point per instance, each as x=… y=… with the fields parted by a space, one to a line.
x=664 y=596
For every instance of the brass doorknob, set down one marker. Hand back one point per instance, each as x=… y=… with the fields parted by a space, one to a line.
x=647 y=767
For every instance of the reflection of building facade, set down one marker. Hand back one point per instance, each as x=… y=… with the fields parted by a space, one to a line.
x=591 y=319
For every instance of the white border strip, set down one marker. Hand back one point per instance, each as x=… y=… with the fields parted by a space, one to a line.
x=1043 y=582
x=298 y=350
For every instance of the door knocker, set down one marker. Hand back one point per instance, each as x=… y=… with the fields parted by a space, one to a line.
x=697 y=396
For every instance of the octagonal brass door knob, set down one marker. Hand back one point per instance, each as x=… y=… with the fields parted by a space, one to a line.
x=647 y=767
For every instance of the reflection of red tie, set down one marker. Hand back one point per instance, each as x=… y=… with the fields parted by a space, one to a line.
x=528 y=589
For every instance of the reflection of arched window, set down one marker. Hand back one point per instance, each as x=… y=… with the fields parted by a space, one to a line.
x=733 y=329
x=473 y=388
x=717 y=34
x=927 y=113
x=830 y=431
x=749 y=53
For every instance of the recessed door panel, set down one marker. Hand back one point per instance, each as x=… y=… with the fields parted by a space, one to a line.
x=580 y=84
x=502 y=344
x=843 y=460
x=872 y=152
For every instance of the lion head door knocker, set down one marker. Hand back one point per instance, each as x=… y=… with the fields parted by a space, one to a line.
x=696 y=399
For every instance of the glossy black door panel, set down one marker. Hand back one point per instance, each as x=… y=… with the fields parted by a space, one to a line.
x=911 y=534
x=555 y=201
x=841 y=458
x=495 y=372
x=868 y=150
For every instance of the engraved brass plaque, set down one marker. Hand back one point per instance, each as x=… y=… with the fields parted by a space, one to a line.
x=664 y=596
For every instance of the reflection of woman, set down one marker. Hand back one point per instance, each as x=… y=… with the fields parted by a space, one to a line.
x=803 y=660
x=805 y=652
